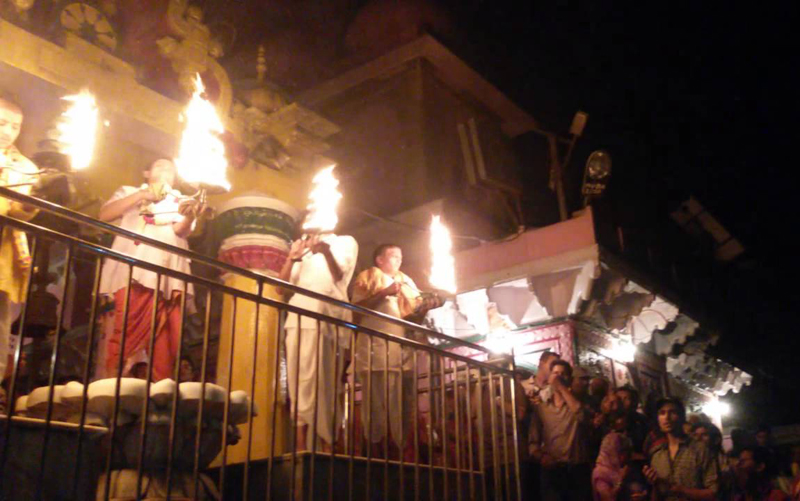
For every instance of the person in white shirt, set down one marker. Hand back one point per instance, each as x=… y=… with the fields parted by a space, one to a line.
x=323 y=263
x=157 y=211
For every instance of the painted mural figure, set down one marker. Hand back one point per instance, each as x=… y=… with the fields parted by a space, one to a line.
x=323 y=263
x=15 y=259
x=157 y=211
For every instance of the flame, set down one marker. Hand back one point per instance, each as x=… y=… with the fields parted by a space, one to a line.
x=77 y=129
x=201 y=159
x=323 y=199
x=622 y=351
x=443 y=265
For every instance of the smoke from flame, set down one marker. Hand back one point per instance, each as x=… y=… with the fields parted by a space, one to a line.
x=77 y=129
x=201 y=159
x=323 y=199
x=443 y=265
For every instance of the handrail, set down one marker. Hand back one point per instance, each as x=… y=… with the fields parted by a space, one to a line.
x=66 y=213
x=89 y=246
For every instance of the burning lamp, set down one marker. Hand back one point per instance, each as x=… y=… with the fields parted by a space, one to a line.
x=622 y=351
x=78 y=129
x=322 y=202
x=442 y=276
x=443 y=264
x=67 y=148
x=596 y=175
x=323 y=199
x=201 y=160
x=716 y=408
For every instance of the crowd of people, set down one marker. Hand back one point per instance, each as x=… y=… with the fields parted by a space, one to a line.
x=587 y=440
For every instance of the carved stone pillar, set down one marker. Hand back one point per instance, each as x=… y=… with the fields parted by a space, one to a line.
x=254 y=232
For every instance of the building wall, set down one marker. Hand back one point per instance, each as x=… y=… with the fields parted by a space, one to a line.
x=444 y=110
x=380 y=149
x=399 y=147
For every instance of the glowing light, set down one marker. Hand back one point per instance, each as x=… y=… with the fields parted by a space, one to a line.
x=500 y=343
x=715 y=407
x=622 y=351
x=443 y=265
x=77 y=129
x=201 y=158
x=323 y=200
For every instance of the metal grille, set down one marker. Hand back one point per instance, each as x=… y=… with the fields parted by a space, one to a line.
x=457 y=409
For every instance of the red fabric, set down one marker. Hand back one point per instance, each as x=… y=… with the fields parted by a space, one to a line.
x=139 y=328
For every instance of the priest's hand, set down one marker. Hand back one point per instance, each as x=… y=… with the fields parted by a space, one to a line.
x=148 y=195
x=391 y=290
x=320 y=247
x=190 y=208
x=430 y=303
x=297 y=250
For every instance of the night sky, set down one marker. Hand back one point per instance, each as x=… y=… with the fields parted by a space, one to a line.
x=689 y=98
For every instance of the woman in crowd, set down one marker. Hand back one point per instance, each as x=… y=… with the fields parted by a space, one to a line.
x=613 y=477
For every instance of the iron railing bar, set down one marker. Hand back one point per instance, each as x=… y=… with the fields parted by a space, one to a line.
x=251 y=411
x=146 y=402
x=98 y=266
x=295 y=405
x=118 y=384
x=243 y=295
x=314 y=433
x=173 y=419
x=443 y=391
x=401 y=445
x=481 y=435
x=457 y=415
x=368 y=425
x=335 y=429
x=53 y=370
x=351 y=431
x=516 y=437
x=495 y=458
x=199 y=258
x=504 y=430
x=386 y=421
x=275 y=388
x=415 y=424
x=470 y=450
x=431 y=414
x=227 y=409
x=203 y=381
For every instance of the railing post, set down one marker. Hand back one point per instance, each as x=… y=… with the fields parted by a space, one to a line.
x=53 y=370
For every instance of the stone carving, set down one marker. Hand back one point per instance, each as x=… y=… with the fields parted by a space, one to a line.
x=278 y=134
x=194 y=50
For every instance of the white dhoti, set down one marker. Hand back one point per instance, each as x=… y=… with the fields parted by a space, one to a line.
x=313 y=364
x=400 y=392
x=313 y=367
x=401 y=401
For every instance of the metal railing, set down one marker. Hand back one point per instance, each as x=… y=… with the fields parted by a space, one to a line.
x=457 y=408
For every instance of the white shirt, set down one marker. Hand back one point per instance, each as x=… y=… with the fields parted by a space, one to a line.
x=115 y=273
x=312 y=273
